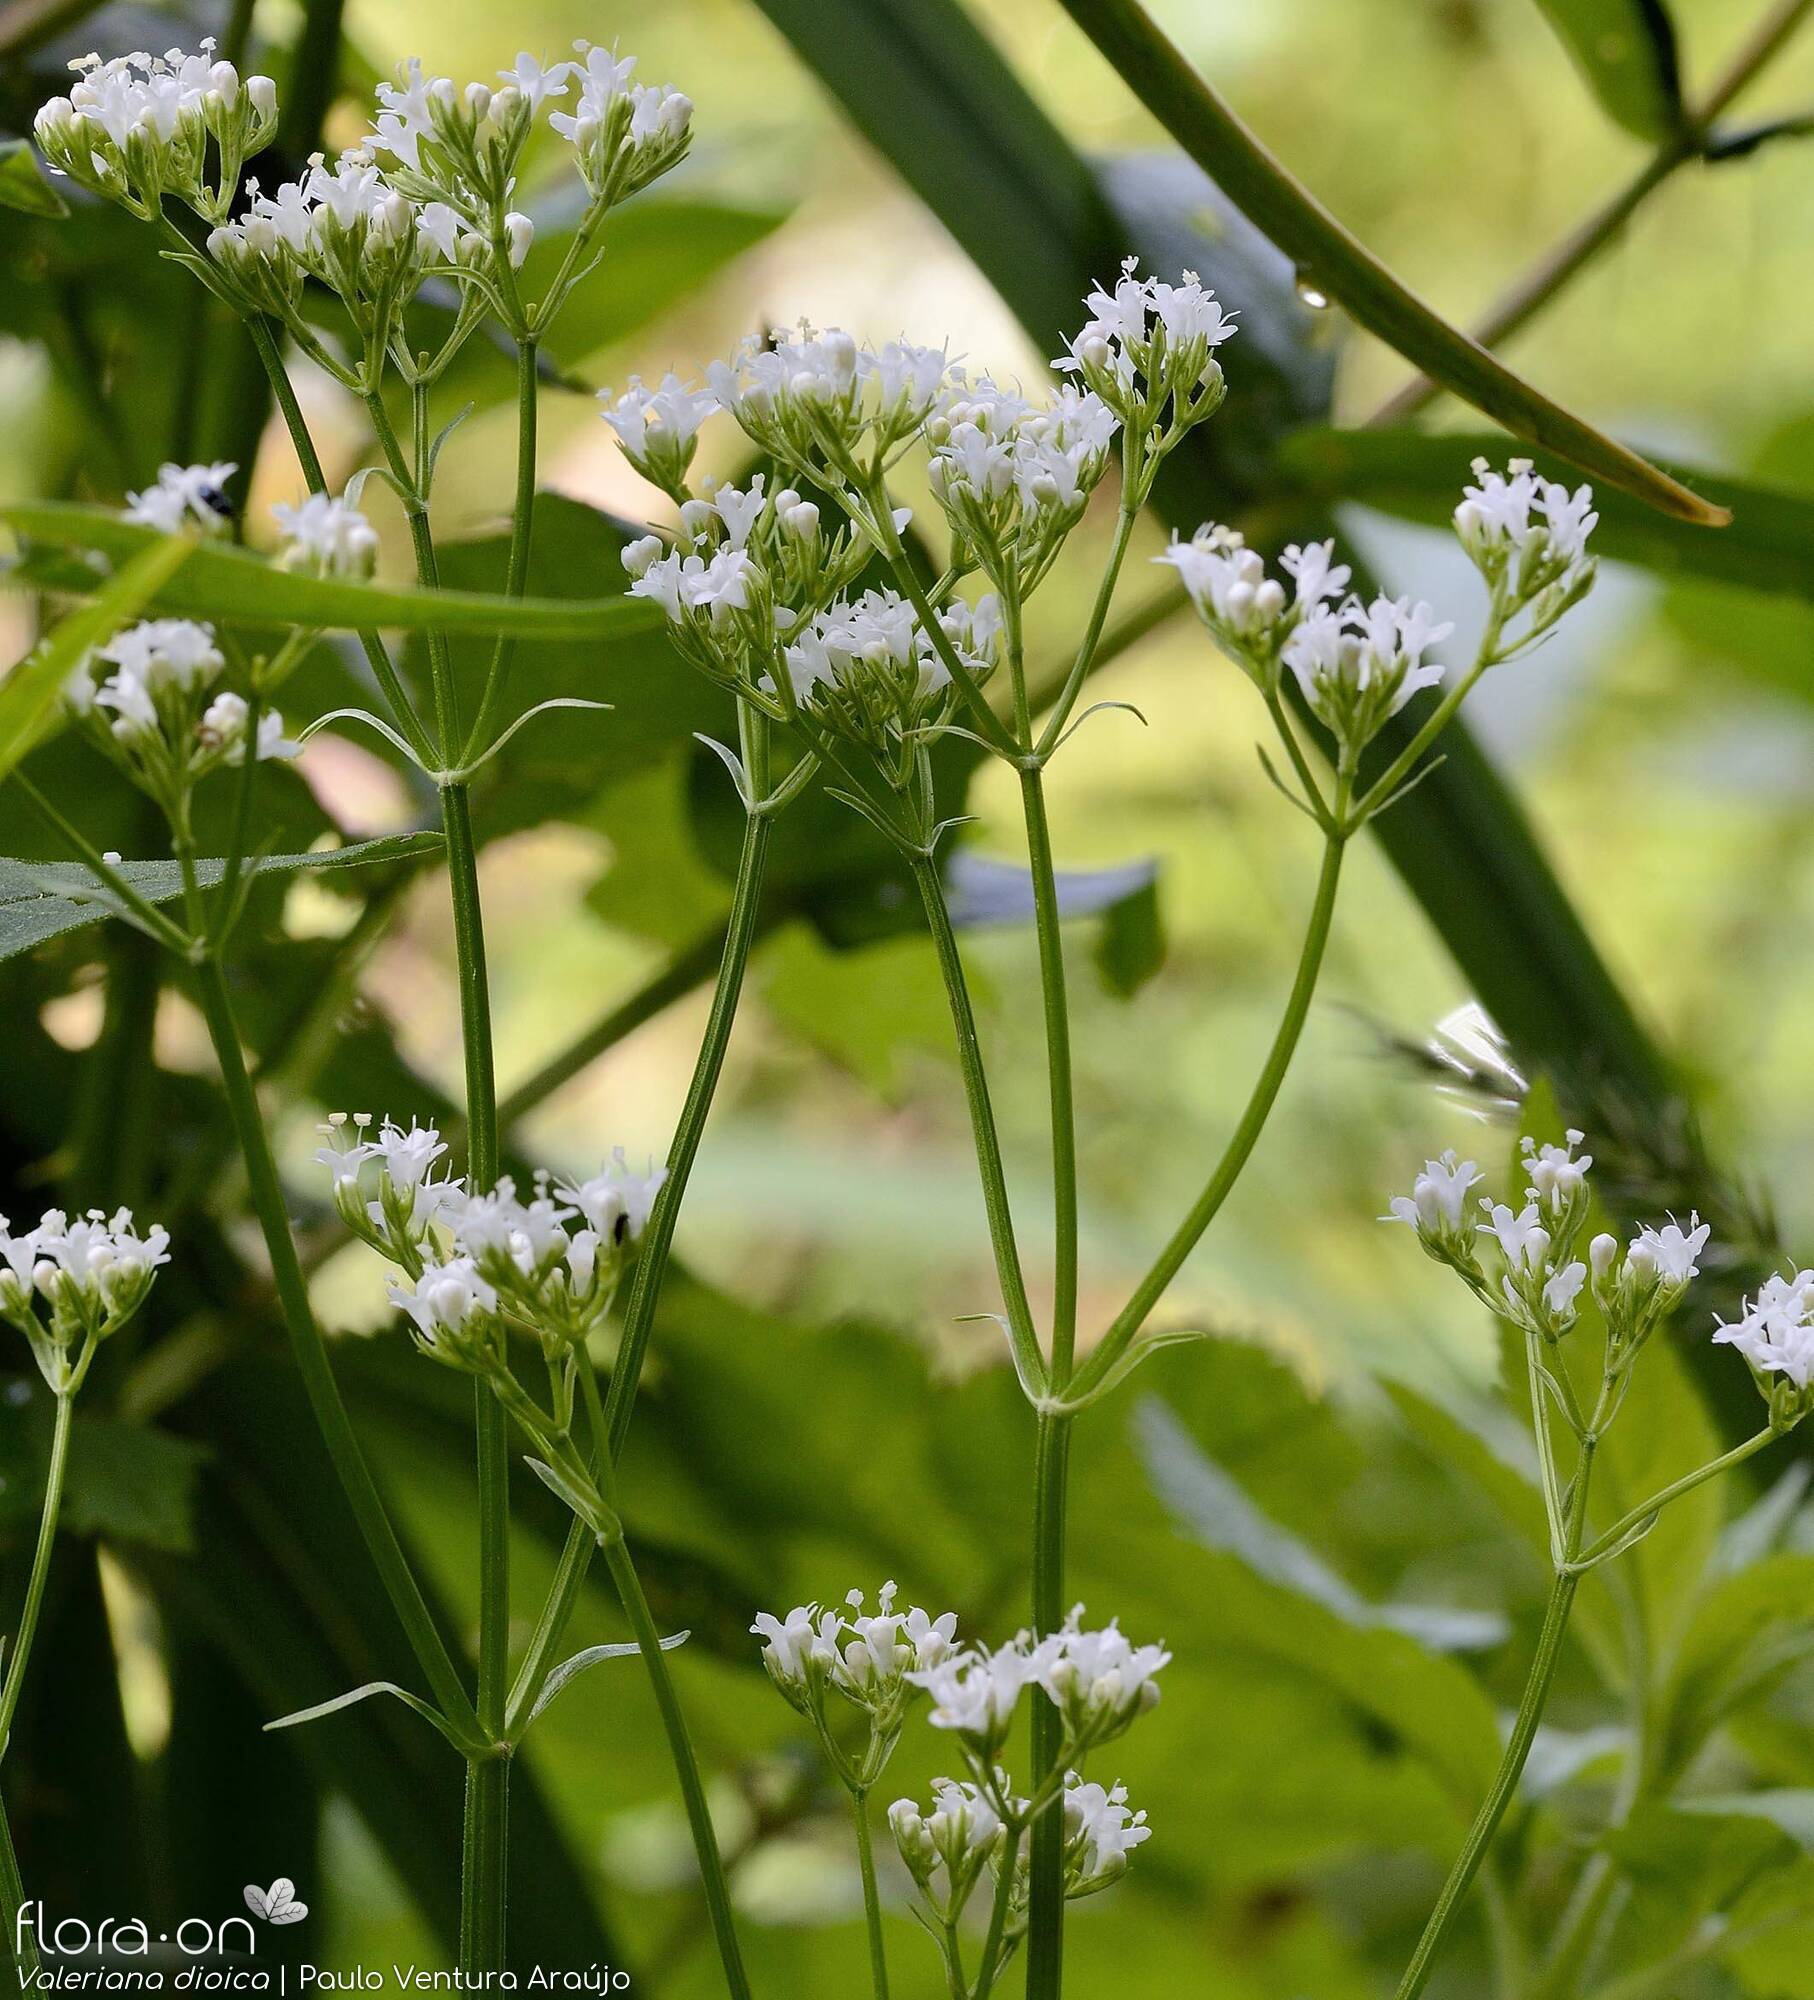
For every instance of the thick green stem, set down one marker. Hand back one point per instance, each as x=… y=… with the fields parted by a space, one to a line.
x=1517 y=1749
x=872 y=1902
x=19 y=1654
x=1185 y=1237
x=982 y=1122
x=686 y=1765
x=312 y=1364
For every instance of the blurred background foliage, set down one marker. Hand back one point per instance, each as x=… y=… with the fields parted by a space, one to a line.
x=1326 y=1511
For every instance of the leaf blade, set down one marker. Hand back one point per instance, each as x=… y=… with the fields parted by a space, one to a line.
x=1626 y=53
x=229 y=583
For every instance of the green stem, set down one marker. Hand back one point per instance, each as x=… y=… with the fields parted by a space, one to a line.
x=522 y=519
x=680 y=1743
x=375 y=650
x=1092 y=632
x=992 y=1959
x=652 y=1261
x=310 y=1353
x=1674 y=1491
x=872 y=1902
x=1170 y=1261
x=1517 y=1749
x=20 y=1652
x=1045 y=1908
x=21 y=1946
x=982 y=1123
x=1058 y=1063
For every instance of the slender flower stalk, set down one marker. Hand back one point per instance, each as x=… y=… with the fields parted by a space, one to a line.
x=872 y=1902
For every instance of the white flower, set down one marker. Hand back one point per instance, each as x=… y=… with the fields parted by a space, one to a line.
x=223 y=725
x=1560 y=1292
x=165 y=652
x=624 y=134
x=1523 y=1240
x=788 y=1642
x=539 y=85
x=326 y=537
x=1668 y=1254
x=617 y=1201
x=93 y=1273
x=1099 y=1834
x=1557 y=1179
x=974 y=1694
x=185 y=496
x=444 y=1299
x=1436 y=1204
x=1775 y=1332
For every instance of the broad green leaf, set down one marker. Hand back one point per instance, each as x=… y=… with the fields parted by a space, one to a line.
x=1419 y=476
x=1626 y=50
x=131 y=1483
x=29 y=690
x=1742 y=1636
x=1790 y=1811
x=43 y=899
x=1344 y=270
x=227 y=583
x=1274 y=1597
x=22 y=185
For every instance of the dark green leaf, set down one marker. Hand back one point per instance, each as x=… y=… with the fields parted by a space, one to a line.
x=22 y=185
x=570 y=1669
x=131 y=1483
x=228 y=583
x=42 y=899
x=1626 y=49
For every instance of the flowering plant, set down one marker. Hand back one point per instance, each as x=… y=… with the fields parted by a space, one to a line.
x=855 y=609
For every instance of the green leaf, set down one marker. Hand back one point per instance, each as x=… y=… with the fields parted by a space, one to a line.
x=1790 y=1811
x=570 y=1669
x=22 y=185
x=1275 y=1596
x=43 y=899
x=1743 y=1634
x=228 y=583
x=1344 y=270
x=30 y=689
x=1626 y=49
x=1419 y=477
x=131 y=1483
x=427 y=1710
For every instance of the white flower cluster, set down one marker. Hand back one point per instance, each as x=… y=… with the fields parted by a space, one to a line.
x=475 y=1263
x=343 y=225
x=66 y=1285
x=189 y=498
x=1099 y=1834
x=1149 y=351
x=1013 y=478
x=881 y=1662
x=145 y=698
x=430 y=187
x=872 y=1660
x=659 y=428
x=1358 y=663
x=139 y=126
x=1528 y=538
x=326 y=537
x=1540 y=1280
x=1775 y=1334
x=870 y=669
